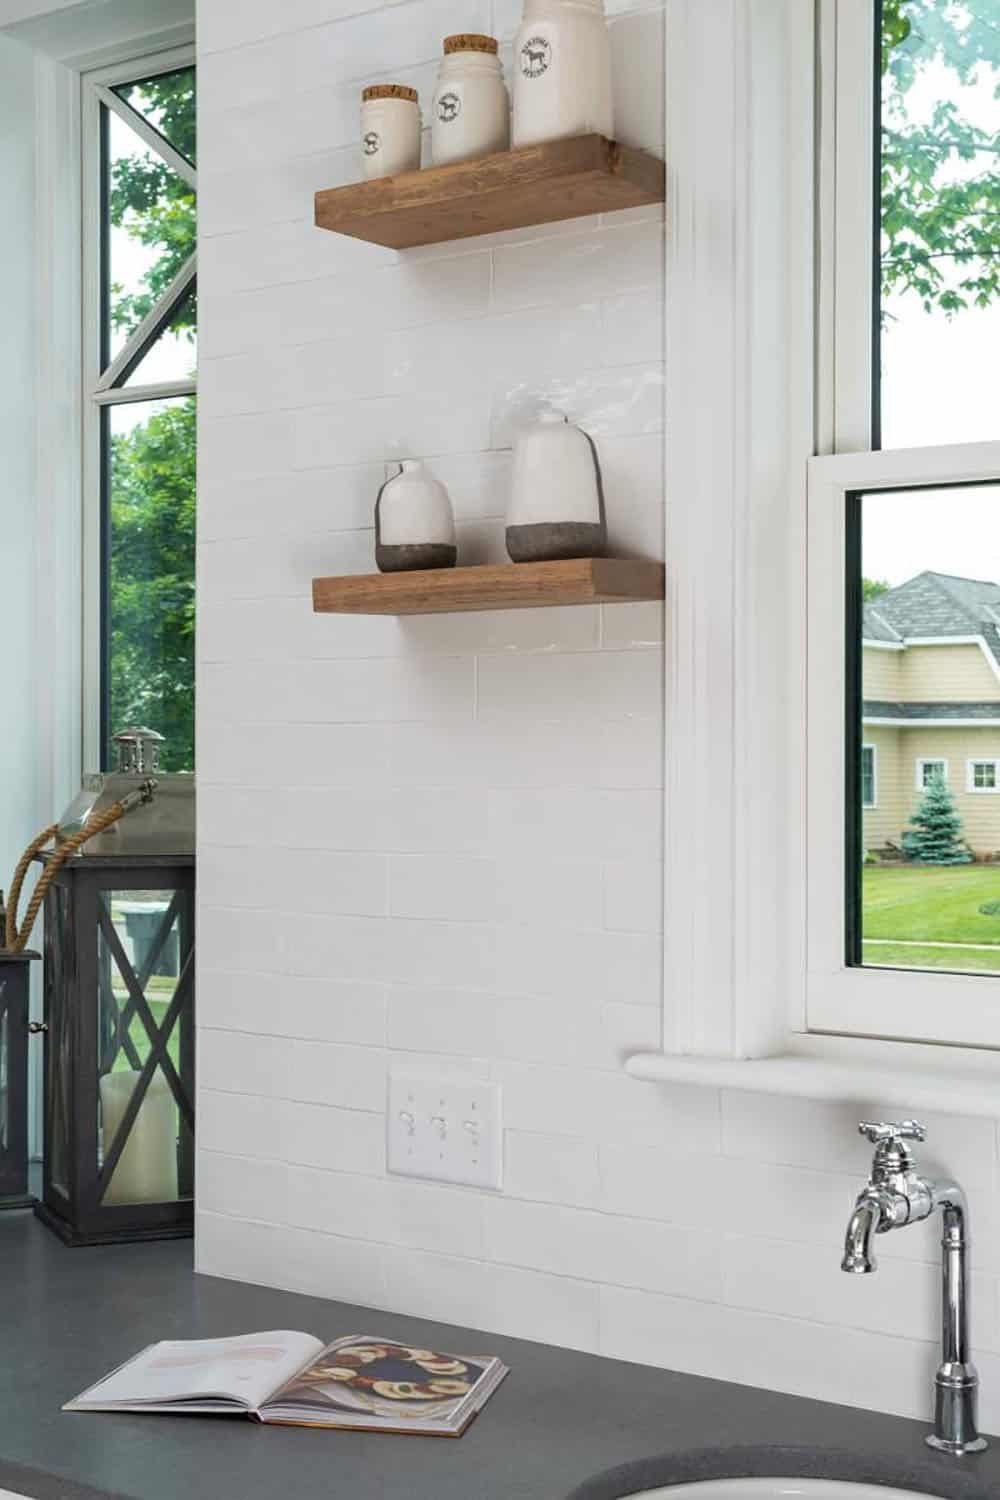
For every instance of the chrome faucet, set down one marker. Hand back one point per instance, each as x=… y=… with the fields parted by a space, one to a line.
x=896 y=1195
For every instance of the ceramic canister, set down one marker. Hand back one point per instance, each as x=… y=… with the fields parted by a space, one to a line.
x=390 y=130
x=562 y=71
x=471 y=112
x=414 y=523
x=557 y=497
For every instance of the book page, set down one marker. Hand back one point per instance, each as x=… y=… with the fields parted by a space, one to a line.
x=379 y=1378
x=245 y=1369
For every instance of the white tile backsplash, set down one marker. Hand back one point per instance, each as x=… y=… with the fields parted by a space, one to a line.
x=437 y=841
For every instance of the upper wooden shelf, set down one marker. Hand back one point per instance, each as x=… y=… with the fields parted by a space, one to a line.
x=439 y=591
x=542 y=184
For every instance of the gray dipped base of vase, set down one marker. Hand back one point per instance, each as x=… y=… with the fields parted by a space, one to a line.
x=556 y=541
x=409 y=557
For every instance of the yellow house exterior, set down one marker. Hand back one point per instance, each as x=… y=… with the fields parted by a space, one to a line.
x=931 y=690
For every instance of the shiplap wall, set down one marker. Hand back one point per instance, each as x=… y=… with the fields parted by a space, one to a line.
x=439 y=840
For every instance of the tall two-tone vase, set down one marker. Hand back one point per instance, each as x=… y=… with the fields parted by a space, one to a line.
x=414 y=523
x=557 y=495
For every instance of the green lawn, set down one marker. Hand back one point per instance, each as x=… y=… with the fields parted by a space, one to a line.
x=924 y=903
x=912 y=907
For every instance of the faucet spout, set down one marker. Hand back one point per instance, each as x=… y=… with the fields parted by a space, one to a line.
x=859 y=1256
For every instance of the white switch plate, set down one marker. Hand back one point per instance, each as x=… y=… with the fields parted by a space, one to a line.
x=444 y=1128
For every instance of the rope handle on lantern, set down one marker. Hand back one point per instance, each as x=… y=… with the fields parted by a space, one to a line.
x=15 y=938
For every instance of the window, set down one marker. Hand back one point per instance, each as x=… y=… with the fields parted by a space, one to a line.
x=904 y=535
x=982 y=776
x=930 y=770
x=140 y=315
x=868 y=781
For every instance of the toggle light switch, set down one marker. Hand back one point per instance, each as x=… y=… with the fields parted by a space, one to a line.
x=444 y=1128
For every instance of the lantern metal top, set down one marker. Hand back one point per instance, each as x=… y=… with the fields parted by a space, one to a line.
x=138 y=751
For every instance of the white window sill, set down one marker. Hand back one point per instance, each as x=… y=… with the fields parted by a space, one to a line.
x=904 y=1075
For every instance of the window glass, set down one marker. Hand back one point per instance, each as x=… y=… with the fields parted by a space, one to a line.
x=939 y=252
x=926 y=844
x=167 y=102
x=151 y=526
x=149 y=312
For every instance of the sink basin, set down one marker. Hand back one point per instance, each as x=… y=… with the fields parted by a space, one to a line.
x=777 y=1489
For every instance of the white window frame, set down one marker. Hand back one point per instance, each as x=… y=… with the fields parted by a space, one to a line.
x=99 y=385
x=873 y=804
x=970 y=776
x=769 y=295
x=930 y=760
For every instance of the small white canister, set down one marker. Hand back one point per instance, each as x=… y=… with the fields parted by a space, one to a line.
x=390 y=130
x=557 y=494
x=414 y=522
x=471 y=115
x=562 y=71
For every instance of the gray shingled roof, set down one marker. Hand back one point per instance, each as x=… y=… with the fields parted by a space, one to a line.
x=918 y=711
x=936 y=605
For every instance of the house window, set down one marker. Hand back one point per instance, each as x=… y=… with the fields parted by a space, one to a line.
x=930 y=770
x=140 y=326
x=869 y=783
x=982 y=776
x=904 y=525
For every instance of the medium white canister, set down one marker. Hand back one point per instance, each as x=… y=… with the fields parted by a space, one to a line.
x=390 y=130
x=562 y=71
x=471 y=114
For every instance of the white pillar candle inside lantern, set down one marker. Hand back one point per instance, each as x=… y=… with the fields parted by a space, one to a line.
x=147 y=1168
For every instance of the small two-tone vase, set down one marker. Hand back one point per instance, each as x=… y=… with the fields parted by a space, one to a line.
x=414 y=522
x=557 y=495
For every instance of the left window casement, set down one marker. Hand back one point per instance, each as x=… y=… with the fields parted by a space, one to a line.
x=140 y=358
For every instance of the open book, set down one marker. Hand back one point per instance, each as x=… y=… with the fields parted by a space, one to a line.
x=359 y=1381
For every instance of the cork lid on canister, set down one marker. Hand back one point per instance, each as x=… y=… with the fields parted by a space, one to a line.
x=468 y=41
x=388 y=91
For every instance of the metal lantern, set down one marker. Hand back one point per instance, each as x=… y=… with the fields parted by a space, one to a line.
x=119 y=1012
x=15 y=973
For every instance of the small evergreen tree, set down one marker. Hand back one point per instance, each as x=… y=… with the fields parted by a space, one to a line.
x=936 y=838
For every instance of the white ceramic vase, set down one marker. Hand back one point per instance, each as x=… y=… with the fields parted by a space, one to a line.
x=390 y=130
x=562 y=71
x=414 y=522
x=557 y=497
x=471 y=111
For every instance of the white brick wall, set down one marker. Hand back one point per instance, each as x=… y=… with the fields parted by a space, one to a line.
x=439 y=839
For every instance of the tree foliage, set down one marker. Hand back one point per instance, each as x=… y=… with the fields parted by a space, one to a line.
x=872 y=587
x=936 y=838
x=152 y=578
x=153 y=204
x=152 y=465
x=940 y=174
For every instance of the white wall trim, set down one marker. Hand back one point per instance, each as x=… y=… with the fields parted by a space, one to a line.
x=740 y=425
x=876 y=723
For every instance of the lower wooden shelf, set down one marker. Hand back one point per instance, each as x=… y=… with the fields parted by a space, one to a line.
x=439 y=591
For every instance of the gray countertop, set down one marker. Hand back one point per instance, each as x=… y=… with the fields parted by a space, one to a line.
x=559 y=1422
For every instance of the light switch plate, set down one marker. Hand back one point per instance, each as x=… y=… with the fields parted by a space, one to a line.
x=444 y=1128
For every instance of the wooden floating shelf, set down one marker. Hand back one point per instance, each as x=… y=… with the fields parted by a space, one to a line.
x=541 y=184
x=439 y=591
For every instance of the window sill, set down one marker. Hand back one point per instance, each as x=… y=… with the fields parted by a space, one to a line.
x=902 y=1075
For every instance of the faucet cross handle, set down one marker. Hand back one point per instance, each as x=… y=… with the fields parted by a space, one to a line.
x=892 y=1133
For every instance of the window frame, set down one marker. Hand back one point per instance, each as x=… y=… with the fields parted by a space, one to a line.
x=922 y=761
x=843 y=999
x=970 y=776
x=99 y=390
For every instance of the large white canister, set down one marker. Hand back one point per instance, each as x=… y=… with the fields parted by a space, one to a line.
x=562 y=71
x=471 y=110
x=557 y=496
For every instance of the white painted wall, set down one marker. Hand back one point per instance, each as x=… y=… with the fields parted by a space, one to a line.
x=439 y=840
x=18 y=492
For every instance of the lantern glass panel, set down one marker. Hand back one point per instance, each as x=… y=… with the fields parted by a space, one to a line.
x=144 y=1047
x=59 y=975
